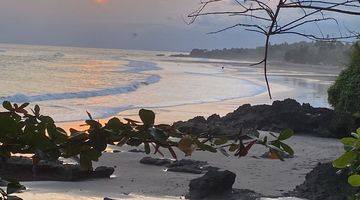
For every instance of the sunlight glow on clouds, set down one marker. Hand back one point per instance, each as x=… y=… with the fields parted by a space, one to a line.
x=101 y=1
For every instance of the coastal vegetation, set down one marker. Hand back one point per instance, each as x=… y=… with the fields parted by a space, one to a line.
x=12 y=186
x=23 y=132
x=317 y=52
x=350 y=160
x=344 y=94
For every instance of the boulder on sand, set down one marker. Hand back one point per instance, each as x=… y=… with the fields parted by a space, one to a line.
x=155 y=161
x=213 y=183
x=184 y=165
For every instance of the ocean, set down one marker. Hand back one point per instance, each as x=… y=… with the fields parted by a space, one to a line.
x=66 y=81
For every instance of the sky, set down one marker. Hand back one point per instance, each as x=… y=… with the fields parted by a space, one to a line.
x=124 y=24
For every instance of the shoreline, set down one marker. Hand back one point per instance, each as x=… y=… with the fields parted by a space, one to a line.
x=171 y=114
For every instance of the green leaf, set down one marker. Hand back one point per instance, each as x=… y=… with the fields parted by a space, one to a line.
x=13 y=198
x=93 y=124
x=287 y=149
x=344 y=160
x=147 y=117
x=350 y=141
x=134 y=142
x=358 y=131
x=86 y=158
x=354 y=180
x=221 y=141
x=56 y=135
x=46 y=119
x=7 y=105
x=158 y=134
x=205 y=147
x=37 y=110
x=24 y=105
x=8 y=127
x=14 y=187
x=208 y=148
x=186 y=145
x=115 y=124
x=286 y=134
x=233 y=147
x=98 y=139
x=147 y=148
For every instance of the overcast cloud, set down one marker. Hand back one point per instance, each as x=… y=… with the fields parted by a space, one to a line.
x=126 y=24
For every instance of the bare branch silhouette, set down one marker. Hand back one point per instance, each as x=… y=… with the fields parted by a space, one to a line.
x=269 y=18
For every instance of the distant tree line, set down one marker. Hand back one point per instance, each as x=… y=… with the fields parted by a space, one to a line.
x=320 y=52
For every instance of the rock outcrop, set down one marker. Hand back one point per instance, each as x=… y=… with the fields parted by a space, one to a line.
x=213 y=183
x=287 y=114
x=324 y=183
x=22 y=169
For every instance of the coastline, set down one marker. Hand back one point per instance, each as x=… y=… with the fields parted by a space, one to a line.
x=170 y=114
x=136 y=181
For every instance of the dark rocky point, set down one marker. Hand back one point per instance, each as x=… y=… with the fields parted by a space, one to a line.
x=324 y=183
x=286 y=114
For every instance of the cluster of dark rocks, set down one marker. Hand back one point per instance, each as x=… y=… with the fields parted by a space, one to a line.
x=184 y=165
x=22 y=169
x=286 y=114
x=325 y=182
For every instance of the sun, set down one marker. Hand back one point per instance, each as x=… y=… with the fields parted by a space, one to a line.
x=101 y=2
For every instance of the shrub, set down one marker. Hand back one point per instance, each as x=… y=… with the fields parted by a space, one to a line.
x=350 y=160
x=22 y=132
x=344 y=94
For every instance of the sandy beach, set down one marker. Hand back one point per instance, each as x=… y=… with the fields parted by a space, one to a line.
x=133 y=180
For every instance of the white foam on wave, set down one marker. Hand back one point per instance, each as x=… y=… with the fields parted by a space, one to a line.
x=19 y=98
x=136 y=66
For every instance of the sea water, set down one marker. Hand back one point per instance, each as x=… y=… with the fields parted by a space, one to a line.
x=66 y=82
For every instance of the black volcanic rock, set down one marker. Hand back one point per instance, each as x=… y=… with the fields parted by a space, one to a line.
x=155 y=161
x=286 y=114
x=22 y=169
x=213 y=183
x=183 y=165
x=324 y=183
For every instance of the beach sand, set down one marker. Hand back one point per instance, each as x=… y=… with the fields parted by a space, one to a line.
x=137 y=181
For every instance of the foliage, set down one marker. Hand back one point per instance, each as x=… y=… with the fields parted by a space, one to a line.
x=12 y=187
x=344 y=94
x=36 y=134
x=350 y=160
x=320 y=52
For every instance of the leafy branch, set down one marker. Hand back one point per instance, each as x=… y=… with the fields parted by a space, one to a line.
x=37 y=134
